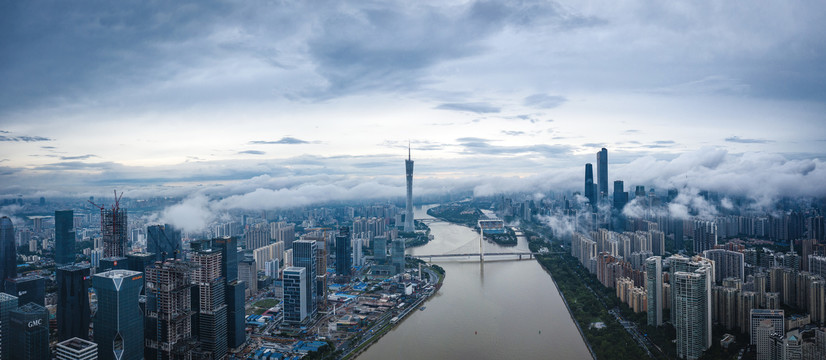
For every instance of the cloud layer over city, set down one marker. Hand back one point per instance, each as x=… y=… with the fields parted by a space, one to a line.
x=259 y=105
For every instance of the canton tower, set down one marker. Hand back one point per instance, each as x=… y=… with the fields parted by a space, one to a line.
x=408 y=217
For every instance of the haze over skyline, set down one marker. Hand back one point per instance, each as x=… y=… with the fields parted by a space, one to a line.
x=290 y=103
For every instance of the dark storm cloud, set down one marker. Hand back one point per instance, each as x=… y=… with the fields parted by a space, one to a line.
x=391 y=47
x=544 y=101
x=287 y=140
x=252 y=152
x=476 y=107
x=737 y=139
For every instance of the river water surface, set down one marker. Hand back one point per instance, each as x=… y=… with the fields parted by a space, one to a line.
x=499 y=310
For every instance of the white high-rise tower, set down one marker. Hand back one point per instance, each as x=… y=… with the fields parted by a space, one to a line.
x=408 y=217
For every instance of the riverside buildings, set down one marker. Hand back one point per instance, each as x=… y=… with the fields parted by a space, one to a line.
x=654 y=286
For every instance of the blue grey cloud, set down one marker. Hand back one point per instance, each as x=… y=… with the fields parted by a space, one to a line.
x=252 y=152
x=78 y=157
x=472 y=145
x=739 y=140
x=23 y=138
x=287 y=140
x=476 y=107
x=544 y=101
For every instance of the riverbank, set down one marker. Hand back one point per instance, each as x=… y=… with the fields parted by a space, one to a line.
x=433 y=270
x=604 y=336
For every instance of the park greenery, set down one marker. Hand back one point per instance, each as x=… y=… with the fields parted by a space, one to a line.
x=589 y=303
x=468 y=214
x=416 y=238
x=459 y=213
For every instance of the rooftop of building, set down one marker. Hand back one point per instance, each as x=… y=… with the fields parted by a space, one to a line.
x=113 y=274
x=76 y=344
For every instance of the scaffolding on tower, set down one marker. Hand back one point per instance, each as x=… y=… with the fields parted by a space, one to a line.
x=113 y=228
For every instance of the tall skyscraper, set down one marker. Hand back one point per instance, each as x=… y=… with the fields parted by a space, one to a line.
x=620 y=196
x=248 y=273
x=235 y=290
x=77 y=349
x=344 y=252
x=30 y=333
x=114 y=230
x=397 y=255
x=7 y=304
x=602 y=173
x=168 y=309
x=8 y=252
x=408 y=217
x=304 y=256
x=118 y=322
x=692 y=306
x=358 y=257
x=208 y=300
x=73 y=312
x=654 y=290
x=380 y=249
x=589 y=184
x=296 y=299
x=64 y=237
x=164 y=241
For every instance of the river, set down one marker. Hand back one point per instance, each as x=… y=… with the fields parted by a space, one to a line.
x=499 y=310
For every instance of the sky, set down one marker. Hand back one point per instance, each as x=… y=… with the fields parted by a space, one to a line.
x=268 y=104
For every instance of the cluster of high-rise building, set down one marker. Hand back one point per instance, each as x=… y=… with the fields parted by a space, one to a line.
x=729 y=285
x=713 y=288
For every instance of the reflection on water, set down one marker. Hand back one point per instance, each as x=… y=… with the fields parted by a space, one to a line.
x=495 y=310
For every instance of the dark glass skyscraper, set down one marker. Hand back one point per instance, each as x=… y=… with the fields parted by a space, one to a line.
x=295 y=296
x=73 y=312
x=118 y=320
x=8 y=252
x=7 y=304
x=30 y=333
x=344 y=252
x=602 y=173
x=164 y=241
x=28 y=289
x=620 y=196
x=236 y=330
x=64 y=237
x=304 y=256
x=589 y=184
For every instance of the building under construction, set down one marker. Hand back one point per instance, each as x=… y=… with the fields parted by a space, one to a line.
x=113 y=229
x=209 y=302
x=168 y=310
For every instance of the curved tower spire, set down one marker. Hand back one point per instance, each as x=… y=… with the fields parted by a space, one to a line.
x=408 y=216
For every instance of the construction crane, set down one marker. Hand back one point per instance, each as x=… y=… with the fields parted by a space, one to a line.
x=112 y=228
